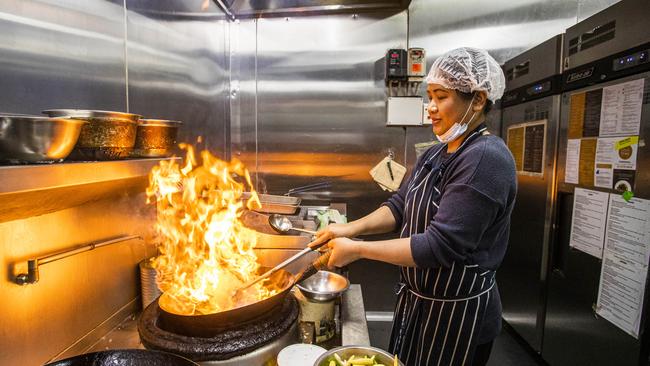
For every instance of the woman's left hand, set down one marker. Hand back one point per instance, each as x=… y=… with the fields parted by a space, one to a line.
x=344 y=251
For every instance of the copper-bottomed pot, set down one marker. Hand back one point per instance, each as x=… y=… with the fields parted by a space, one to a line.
x=155 y=138
x=107 y=135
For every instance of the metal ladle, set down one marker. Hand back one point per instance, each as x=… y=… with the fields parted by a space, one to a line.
x=283 y=225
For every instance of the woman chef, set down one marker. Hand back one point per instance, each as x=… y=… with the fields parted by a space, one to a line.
x=453 y=218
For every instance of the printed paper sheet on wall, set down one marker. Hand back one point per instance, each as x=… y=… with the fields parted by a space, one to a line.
x=588 y=221
x=603 y=139
x=616 y=162
x=625 y=263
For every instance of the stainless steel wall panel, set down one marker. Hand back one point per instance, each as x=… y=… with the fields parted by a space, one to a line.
x=175 y=8
x=73 y=54
x=243 y=94
x=587 y=8
x=415 y=135
x=504 y=28
x=76 y=294
x=271 y=8
x=61 y=54
x=178 y=69
x=309 y=105
x=321 y=102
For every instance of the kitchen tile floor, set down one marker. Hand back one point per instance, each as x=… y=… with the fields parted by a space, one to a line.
x=506 y=350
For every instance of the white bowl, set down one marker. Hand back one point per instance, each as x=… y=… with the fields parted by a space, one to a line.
x=300 y=354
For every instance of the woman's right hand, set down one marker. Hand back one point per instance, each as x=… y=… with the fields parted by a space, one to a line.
x=332 y=231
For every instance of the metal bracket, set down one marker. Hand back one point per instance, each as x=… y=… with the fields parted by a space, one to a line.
x=33 y=265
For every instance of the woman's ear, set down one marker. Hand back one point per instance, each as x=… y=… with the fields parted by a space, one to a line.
x=479 y=101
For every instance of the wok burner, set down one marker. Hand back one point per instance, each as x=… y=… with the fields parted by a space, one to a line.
x=254 y=342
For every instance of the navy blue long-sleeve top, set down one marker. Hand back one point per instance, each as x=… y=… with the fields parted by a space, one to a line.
x=471 y=224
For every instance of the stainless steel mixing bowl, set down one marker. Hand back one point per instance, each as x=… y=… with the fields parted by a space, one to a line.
x=323 y=286
x=32 y=139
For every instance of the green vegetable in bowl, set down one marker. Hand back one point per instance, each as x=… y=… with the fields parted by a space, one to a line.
x=354 y=360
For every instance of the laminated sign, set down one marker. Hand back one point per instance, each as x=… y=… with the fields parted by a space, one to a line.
x=616 y=162
x=527 y=143
x=388 y=174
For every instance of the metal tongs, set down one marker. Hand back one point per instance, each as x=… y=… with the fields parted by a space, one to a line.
x=319 y=263
x=309 y=187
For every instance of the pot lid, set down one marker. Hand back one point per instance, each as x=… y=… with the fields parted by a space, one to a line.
x=159 y=122
x=89 y=113
x=24 y=118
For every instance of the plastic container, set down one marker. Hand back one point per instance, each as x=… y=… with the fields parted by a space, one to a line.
x=300 y=354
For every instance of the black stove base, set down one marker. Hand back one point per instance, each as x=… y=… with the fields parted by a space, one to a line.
x=230 y=343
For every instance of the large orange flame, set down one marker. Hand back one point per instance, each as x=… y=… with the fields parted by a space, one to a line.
x=206 y=253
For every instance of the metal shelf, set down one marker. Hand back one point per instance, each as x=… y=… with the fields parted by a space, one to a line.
x=31 y=190
x=22 y=178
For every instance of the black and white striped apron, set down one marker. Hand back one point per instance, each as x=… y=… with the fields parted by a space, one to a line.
x=439 y=310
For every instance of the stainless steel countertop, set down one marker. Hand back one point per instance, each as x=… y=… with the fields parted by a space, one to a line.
x=354 y=328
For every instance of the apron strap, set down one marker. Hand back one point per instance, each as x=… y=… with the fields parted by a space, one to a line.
x=451 y=298
x=489 y=275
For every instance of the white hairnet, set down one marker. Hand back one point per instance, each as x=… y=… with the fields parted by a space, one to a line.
x=468 y=70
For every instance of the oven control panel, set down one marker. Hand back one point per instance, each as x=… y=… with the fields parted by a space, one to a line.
x=539 y=88
x=631 y=60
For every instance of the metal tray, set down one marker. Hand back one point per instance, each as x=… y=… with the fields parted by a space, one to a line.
x=277 y=208
x=274 y=199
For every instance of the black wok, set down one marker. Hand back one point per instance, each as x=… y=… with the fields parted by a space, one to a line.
x=125 y=357
x=209 y=325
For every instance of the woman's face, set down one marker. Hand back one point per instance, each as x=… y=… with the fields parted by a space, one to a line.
x=447 y=107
